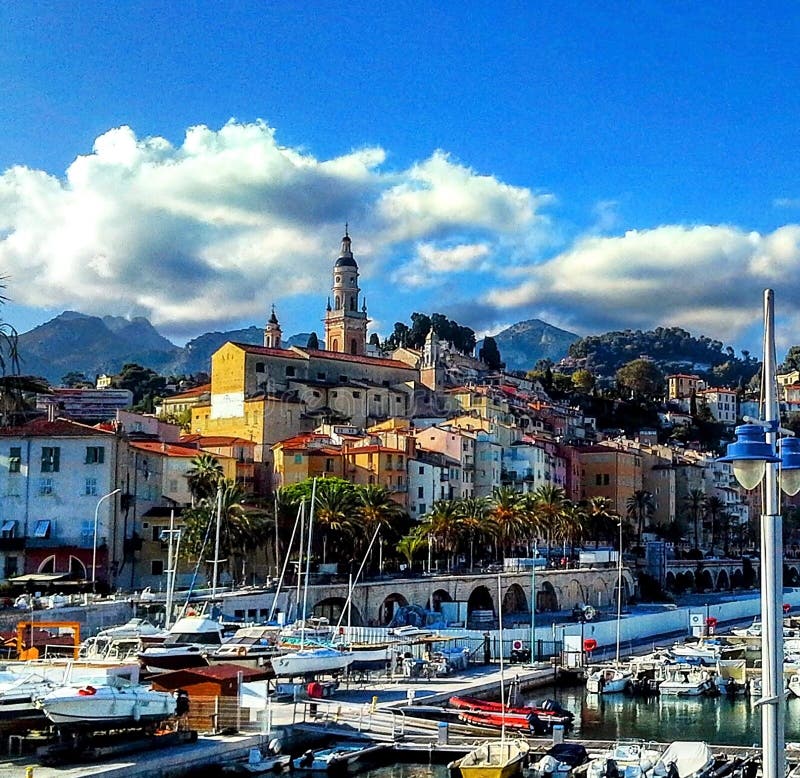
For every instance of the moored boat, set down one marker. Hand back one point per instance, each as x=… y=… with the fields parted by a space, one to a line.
x=310 y=661
x=626 y=760
x=492 y=759
x=328 y=760
x=559 y=761
x=686 y=682
x=549 y=710
x=90 y=707
x=687 y=758
x=609 y=680
x=189 y=642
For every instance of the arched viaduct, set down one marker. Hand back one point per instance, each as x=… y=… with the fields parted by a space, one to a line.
x=375 y=602
x=719 y=575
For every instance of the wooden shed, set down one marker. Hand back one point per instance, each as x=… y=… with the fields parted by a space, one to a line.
x=213 y=693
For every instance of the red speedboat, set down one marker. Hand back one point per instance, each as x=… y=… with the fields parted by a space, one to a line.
x=548 y=710
x=498 y=719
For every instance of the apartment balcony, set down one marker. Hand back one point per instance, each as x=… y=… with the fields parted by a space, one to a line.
x=397 y=488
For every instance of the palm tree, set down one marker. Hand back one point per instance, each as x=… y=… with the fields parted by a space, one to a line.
x=572 y=526
x=549 y=503
x=601 y=518
x=695 y=502
x=639 y=506
x=474 y=522
x=204 y=476
x=410 y=544
x=440 y=525
x=376 y=509
x=713 y=507
x=334 y=510
x=506 y=509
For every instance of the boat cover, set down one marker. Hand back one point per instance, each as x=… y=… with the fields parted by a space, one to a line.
x=689 y=756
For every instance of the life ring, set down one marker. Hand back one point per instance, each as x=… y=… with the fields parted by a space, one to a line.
x=786 y=607
x=517 y=645
x=590 y=644
x=589 y=613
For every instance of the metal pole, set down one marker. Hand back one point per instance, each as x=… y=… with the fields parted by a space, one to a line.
x=94 y=536
x=215 y=576
x=773 y=704
x=619 y=587
x=533 y=601
x=170 y=573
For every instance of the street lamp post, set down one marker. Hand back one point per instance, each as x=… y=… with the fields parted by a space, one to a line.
x=757 y=456
x=94 y=536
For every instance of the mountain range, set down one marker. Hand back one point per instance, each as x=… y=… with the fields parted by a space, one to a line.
x=92 y=345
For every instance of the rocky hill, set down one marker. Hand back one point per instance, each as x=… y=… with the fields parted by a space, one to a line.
x=521 y=345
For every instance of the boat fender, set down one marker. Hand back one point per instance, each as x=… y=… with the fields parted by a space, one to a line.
x=87 y=691
x=241 y=650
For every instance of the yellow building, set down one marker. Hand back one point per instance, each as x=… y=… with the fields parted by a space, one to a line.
x=610 y=473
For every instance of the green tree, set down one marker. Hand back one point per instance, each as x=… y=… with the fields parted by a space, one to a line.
x=75 y=379
x=508 y=514
x=440 y=525
x=410 y=545
x=601 y=518
x=334 y=513
x=694 y=503
x=583 y=381
x=490 y=354
x=143 y=382
x=640 y=506
x=642 y=377
x=713 y=508
x=204 y=476
x=549 y=502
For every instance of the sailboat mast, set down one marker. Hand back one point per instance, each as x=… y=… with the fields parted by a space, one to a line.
x=300 y=560
x=308 y=559
x=285 y=562
x=619 y=587
x=502 y=685
x=215 y=576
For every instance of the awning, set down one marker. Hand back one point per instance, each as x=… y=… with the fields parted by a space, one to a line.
x=42 y=528
x=8 y=526
x=39 y=578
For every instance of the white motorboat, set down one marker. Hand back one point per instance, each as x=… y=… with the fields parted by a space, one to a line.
x=691 y=759
x=266 y=758
x=18 y=692
x=314 y=628
x=631 y=760
x=248 y=647
x=609 y=680
x=311 y=661
x=330 y=759
x=189 y=642
x=705 y=652
x=93 y=707
x=685 y=681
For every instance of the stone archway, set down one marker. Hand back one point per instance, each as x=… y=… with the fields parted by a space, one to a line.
x=331 y=608
x=704 y=581
x=723 y=582
x=575 y=594
x=437 y=598
x=515 y=601
x=737 y=579
x=481 y=611
x=389 y=607
x=546 y=598
x=669 y=582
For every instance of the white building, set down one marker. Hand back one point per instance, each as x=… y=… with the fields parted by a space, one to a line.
x=722 y=403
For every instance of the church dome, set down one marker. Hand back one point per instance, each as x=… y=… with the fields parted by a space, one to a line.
x=345 y=261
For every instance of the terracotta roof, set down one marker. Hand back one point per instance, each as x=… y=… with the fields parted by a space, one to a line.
x=215 y=440
x=198 y=390
x=221 y=672
x=342 y=357
x=373 y=450
x=284 y=353
x=167 y=449
x=300 y=441
x=59 y=428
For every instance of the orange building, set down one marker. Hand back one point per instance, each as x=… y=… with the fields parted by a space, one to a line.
x=610 y=473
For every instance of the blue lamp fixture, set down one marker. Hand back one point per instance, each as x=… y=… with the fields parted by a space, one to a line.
x=749 y=455
x=790 y=465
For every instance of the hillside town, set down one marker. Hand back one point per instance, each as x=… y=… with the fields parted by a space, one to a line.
x=439 y=437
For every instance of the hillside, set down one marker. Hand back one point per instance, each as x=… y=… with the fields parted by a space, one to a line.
x=91 y=345
x=521 y=345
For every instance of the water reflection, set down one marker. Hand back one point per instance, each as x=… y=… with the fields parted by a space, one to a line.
x=717 y=720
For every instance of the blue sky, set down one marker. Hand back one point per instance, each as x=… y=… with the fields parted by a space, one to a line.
x=595 y=165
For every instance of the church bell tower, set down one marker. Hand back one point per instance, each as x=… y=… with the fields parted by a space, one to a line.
x=345 y=324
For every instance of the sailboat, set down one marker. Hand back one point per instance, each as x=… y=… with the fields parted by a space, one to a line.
x=612 y=679
x=495 y=758
x=314 y=660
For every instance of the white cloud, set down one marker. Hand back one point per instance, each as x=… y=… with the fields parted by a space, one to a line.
x=207 y=232
x=703 y=278
x=431 y=264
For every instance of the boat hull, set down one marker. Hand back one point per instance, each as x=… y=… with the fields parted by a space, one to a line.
x=106 y=706
x=310 y=662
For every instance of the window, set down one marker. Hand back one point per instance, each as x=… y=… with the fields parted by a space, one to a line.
x=156 y=567
x=598 y=480
x=320 y=376
x=422 y=469
x=356 y=395
x=173 y=484
x=389 y=464
x=10 y=569
x=400 y=462
x=606 y=479
x=14 y=459
x=290 y=370
x=42 y=528
x=50 y=459
x=343 y=379
x=259 y=367
x=422 y=507
x=45 y=486
x=7 y=530
x=420 y=492
x=91 y=486
x=298 y=459
x=95 y=455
